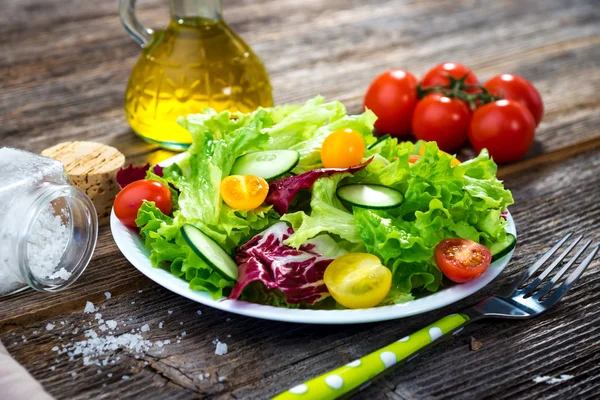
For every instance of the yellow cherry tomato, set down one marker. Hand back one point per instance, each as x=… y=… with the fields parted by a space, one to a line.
x=358 y=280
x=342 y=149
x=453 y=163
x=244 y=192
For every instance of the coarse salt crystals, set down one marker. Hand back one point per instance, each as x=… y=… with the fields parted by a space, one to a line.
x=221 y=348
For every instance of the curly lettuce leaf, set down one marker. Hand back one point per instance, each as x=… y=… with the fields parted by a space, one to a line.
x=301 y=123
x=210 y=161
x=328 y=215
x=441 y=201
x=401 y=247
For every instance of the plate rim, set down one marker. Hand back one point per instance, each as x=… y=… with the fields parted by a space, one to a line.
x=129 y=243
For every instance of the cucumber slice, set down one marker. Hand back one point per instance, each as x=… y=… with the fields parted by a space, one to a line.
x=268 y=164
x=209 y=251
x=370 y=196
x=501 y=249
x=381 y=139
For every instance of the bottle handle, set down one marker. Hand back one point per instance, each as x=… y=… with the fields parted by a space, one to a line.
x=132 y=25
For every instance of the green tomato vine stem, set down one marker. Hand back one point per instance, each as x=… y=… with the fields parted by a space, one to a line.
x=473 y=95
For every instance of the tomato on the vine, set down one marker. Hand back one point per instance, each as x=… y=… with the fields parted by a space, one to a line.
x=443 y=120
x=438 y=75
x=514 y=87
x=392 y=96
x=130 y=199
x=506 y=128
x=462 y=260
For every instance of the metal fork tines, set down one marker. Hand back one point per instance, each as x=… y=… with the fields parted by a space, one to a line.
x=518 y=301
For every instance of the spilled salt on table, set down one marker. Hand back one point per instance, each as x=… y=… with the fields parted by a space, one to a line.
x=89 y=308
x=221 y=348
x=552 y=380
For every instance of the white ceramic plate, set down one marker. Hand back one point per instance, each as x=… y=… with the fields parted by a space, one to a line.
x=132 y=247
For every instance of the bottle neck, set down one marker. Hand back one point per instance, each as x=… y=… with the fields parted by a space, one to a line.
x=186 y=10
x=56 y=237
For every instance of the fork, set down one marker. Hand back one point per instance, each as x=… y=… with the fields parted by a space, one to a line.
x=514 y=300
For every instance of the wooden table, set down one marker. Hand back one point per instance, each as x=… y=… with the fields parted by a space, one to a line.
x=63 y=70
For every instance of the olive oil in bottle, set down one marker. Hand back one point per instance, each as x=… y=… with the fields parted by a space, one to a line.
x=196 y=62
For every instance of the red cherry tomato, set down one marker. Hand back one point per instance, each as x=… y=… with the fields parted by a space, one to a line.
x=438 y=75
x=506 y=128
x=462 y=260
x=392 y=96
x=130 y=199
x=443 y=120
x=519 y=89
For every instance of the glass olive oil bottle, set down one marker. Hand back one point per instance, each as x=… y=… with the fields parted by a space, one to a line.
x=198 y=61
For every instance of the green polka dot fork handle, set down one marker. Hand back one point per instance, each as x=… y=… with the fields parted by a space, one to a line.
x=359 y=373
x=522 y=298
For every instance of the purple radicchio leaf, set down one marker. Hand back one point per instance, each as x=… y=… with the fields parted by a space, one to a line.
x=297 y=273
x=283 y=190
x=131 y=174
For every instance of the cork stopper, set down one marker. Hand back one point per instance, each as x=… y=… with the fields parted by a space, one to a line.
x=92 y=167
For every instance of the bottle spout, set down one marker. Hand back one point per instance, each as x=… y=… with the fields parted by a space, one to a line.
x=191 y=9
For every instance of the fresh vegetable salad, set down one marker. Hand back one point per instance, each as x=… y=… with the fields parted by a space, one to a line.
x=302 y=206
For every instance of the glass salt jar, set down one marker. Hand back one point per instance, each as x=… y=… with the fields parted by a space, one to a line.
x=48 y=228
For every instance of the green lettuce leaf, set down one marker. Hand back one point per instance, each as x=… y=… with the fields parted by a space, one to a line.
x=327 y=215
x=210 y=161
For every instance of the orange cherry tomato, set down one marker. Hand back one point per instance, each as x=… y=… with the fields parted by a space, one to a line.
x=462 y=260
x=413 y=159
x=244 y=192
x=342 y=149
